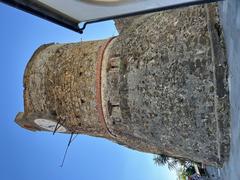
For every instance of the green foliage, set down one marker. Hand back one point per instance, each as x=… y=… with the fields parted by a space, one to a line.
x=162 y=160
x=184 y=168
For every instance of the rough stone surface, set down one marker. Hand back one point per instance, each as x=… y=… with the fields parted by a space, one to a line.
x=164 y=85
x=59 y=85
x=123 y=23
x=174 y=76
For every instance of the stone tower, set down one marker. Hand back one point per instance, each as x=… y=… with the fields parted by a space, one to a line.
x=159 y=87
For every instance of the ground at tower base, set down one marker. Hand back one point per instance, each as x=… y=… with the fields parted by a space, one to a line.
x=230 y=19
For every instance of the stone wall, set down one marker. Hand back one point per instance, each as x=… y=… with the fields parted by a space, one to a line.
x=173 y=82
x=163 y=85
x=59 y=84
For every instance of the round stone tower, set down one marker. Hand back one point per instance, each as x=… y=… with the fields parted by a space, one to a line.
x=159 y=87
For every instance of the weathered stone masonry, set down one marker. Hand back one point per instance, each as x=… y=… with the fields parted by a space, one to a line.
x=161 y=86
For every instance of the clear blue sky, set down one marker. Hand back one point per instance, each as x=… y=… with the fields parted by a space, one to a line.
x=25 y=155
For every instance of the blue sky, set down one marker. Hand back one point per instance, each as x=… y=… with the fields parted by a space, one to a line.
x=25 y=155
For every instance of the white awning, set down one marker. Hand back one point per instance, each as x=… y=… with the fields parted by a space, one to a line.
x=69 y=13
x=92 y=10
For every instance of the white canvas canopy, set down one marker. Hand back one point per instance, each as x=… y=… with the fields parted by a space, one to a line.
x=89 y=10
x=69 y=13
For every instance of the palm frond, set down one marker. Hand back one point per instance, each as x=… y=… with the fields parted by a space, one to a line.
x=161 y=159
x=172 y=164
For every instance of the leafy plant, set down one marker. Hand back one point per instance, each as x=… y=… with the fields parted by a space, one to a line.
x=184 y=168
